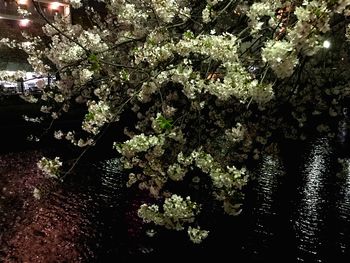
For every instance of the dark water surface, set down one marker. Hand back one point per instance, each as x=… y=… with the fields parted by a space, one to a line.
x=296 y=210
x=300 y=205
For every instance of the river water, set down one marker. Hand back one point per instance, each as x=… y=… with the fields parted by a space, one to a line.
x=296 y=210
x=300 y=207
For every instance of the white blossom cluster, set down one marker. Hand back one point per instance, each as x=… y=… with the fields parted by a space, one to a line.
x=219 y=47
x=139 y=143
x=23 y=12
x=99 y=114
x=31 y=119
x=70 y=136
x=206 y=14
x=313 y=18
x=229 y=179
x=36 y=193
x=176 y=212
x=196 y=234
x=91 y=40
x=130 y=13
x=12 y=76
x=153 y=51
x=50 y=167
x=85 y=75
x=225 y=181
x=347 y=34
x=76 y=3
x=8 y=42
x=61 y=25
x=258 y=10
x=281 y=57
x=29 y=98
x=342 y=6
x=236 y=134
x=64 y=52
x=167 y=10
x=176 y=172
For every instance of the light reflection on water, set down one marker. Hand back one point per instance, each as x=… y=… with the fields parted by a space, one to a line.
x=112 y=182
x=267 y=184
x=343 y=207
x=264 y=211
x=309 y=221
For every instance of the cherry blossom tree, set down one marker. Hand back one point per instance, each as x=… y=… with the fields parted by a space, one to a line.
x=210 y=85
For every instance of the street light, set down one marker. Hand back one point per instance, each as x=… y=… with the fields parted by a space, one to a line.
x=326 y=44
x=24 y=22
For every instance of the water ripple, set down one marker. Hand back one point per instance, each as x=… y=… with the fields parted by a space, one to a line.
x=309 y=221
x=343 y=207
x=264 y=211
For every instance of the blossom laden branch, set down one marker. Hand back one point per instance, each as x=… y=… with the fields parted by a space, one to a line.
x=204 y=84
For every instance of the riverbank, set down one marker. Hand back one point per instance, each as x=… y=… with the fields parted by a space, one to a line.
x=32 y=231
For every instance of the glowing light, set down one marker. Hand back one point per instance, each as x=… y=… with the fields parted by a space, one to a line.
x=22 y=2
x=24 y=22
x=55 y=5
x=326 y=44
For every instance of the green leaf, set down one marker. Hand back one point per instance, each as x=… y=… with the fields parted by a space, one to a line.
x=93 y=60
x=89 y=116
x=164 y=124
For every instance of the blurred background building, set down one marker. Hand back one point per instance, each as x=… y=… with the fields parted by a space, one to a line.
x=12 y=21
x=16 y=17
